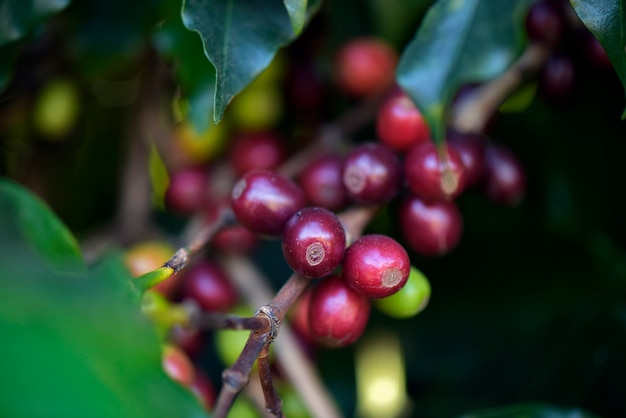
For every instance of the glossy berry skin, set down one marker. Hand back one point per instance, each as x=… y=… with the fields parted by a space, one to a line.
x=430 y=228
x=399 y=123
x=471 y=148
x=432 y=177
x=365 y=66
x=322 y=183
x=371 y=173
x=177 y=365
x=204 y=390
x=234 y=239
x=263 y=201
x=300 y=316
x=545 y=22
x=314 y=242
x=376 y=266
x=208 y=285
x=505 y=179
x=408 y=301
x=187 y=191
x=338 y=314
x=262 y=150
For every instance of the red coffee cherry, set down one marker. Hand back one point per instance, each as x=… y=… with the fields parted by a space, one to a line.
x=400 y=124
x=505 y=179
x=338 y=314
x=376 y=266
x=256 y=150
x=207 y=284
x=314 y=242
x=322 y=183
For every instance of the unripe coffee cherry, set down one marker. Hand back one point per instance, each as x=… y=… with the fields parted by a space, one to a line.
x=337 y=313
x=263 y=201
x=314 y=242
x=376 y=266
x=408 y=301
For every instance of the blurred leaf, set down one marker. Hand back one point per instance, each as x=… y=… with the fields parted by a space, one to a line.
x=607 y=22
x=297 y=14
x=193 y=72
x=158 y=176
x=529 y=410
x=76 y=346
x=396 y=20
x=18 y=17
x=27 y=222
x=480 y=39
x=240 y=39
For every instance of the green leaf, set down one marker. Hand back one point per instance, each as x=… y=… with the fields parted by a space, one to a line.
x=459 y=41
x=607 y=22
x=194 y=73
x=240 y=39
x=75 y=345
x=18 y=17
x=529 y=410
x=28 y=223
x=297 y=14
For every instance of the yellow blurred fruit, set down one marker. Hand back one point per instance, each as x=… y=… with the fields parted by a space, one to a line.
x=200 y=147
x=147 y=256
x=56 y=109
x=257 y=107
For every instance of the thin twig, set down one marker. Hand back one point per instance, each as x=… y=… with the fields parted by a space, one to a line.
x=273 y=403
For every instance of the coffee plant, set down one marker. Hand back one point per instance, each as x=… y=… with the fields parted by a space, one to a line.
x=375 y=208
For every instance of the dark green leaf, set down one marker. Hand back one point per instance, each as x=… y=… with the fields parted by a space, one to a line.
x=607 y=22
x=193 y=72
x=297 y=13
x=459 y=41
x=27 y=223
x=240 y=39
x=529 y=410
x=77 y=346
x=18 y=17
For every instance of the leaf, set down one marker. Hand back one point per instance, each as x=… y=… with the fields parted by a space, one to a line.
x=606 y=19
x=18 y=17
x=28 y=223
x=529 y=410
x=77 y=346
x=459 y=41
x=297 y=14
x=240 y=39
x=194 y=73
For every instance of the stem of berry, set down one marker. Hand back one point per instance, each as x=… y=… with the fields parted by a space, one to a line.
x=473 y=114
x=273 y=402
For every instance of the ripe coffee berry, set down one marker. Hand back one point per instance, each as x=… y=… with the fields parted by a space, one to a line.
x=545 y=22
x=434 y=174
x=430 y=228
x=177 y=365
x=208 y=285
x=505 y=179
x=371 y=173
x=263 y=201
x=557 y=79
x=365 y=66
x=337 y=313
x=187 y=190
x=376 y=266
x=262 y=150
x=399 y=124
x=314 y=242
x=471 y=148
x=322 y=183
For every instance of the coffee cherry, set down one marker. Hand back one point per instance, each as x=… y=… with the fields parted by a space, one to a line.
x=190 y=340
x=322 y=183
x=365 y=66
x=299 y=316
x=408 y=301
x=399 y=123
x=557 y=79
x=595 y=52
x=371 y=173
x=204 y=390
x=314 y=242
x=56 y=109
x=376 y=266
x=471 y=148
x=187 y=190
x=434 y=174
x=146 y=256
x=207 y=284
x=505 y=179
x=263 y=201
x=200 y=147
x=430 y=228
x=262 y=149
x=545 y=22
x=258 y=106
x=337 y=315
x=234 y=239
x=177 y=365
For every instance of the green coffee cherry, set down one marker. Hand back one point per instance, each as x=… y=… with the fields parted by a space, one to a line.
x=408 y=301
